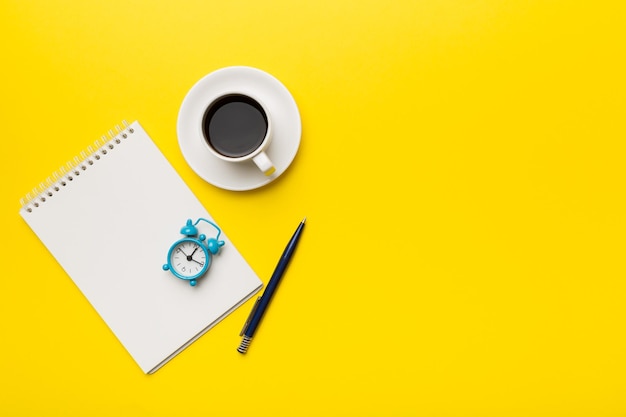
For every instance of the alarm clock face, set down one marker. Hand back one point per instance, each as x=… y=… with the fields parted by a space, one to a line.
x=188 y=259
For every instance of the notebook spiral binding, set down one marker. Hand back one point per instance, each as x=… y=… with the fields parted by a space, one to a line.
x=67 y=173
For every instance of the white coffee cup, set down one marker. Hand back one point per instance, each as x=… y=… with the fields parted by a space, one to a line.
x=237 y=127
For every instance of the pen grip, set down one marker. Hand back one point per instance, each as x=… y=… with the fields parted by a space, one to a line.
x=266 y=297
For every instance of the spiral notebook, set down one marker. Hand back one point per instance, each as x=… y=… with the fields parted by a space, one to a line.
x=109 y=219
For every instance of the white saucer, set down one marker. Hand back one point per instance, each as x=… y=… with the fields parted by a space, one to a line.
x=285 y=122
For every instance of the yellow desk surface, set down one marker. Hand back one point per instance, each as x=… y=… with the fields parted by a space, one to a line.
x=462 y=170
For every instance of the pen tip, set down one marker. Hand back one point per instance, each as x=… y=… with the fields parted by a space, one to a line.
x=304 y=220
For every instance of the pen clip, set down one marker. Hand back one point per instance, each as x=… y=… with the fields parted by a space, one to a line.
x=247 y=323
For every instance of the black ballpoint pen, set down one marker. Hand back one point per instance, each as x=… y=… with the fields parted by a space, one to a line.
x=262 y=302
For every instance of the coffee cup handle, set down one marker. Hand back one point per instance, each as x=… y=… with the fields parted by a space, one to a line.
x=264 y=164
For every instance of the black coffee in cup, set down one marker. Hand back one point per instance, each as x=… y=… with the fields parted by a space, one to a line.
x=235 y=125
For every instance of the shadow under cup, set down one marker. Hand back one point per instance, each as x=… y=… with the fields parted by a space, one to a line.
x=235 y=126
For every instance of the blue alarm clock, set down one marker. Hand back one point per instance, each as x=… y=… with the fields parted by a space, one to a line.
x=190 y=257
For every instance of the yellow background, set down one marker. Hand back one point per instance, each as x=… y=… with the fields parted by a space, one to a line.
x=461 y=170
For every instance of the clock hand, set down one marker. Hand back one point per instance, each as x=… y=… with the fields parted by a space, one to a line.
x=190 y=257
